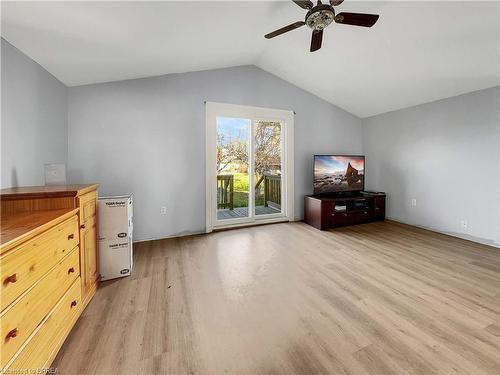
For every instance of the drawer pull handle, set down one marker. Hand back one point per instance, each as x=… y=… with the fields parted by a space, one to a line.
x=82 y=226
x=12 y=333
x=71 y=270
x=11 y=279
x=71 y=236
x=73 y=303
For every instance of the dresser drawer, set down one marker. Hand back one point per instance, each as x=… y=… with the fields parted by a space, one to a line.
x=88 y=205
x=45 y=342
x=21 y=318
x=20 y=268
x=338 y=219
x=362 y=216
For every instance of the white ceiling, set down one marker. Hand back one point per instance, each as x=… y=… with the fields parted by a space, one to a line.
x=416 y=53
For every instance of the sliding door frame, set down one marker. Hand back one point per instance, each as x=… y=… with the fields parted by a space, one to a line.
x=286 y=118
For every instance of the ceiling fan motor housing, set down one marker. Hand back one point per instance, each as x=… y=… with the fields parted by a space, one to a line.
x=320 y=17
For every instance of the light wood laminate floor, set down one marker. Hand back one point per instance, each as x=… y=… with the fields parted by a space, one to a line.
x=380 y=298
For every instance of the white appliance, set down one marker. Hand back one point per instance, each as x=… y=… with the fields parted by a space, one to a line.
x=115 y=236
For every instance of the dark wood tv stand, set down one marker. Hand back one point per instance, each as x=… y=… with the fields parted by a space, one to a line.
x=326 y=211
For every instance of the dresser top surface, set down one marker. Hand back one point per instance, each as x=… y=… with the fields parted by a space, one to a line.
x=20 y=227
x=47 y=191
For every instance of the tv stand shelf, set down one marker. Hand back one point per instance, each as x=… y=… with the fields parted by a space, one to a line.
x=332 y=211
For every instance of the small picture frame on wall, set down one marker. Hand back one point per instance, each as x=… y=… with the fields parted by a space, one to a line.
x=55 y=174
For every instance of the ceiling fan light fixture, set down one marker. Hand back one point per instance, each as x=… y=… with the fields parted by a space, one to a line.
x=320 y=19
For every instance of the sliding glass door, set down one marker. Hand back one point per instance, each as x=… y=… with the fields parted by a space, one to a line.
x=233 y=171
x=248 y=160
x=268 y=146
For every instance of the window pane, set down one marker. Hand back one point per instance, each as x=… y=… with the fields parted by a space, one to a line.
x=267 y=167
x=233 y=140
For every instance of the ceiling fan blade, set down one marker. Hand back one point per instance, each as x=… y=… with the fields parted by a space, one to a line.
x=356 y=19
x=285 y=29
x=335 y=3
x=317 y=38
x=307 y=4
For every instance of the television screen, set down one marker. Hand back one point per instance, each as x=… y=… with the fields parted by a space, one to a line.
x=336 y=173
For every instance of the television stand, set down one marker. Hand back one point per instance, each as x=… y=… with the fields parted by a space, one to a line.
x=338 y=210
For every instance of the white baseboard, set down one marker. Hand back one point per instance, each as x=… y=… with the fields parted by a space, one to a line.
x=169 y=236
x=457 y=235
x=462 y=236
x=203 y=232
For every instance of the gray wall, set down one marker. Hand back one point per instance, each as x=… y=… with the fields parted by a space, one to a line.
x=34 y=119
x=444 y=154
x=147 y=137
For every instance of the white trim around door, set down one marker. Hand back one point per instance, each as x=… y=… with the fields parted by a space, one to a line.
x=286 y=118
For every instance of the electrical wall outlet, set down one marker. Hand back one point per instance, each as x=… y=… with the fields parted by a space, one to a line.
x=413 y=202
x=464 y=224
x=163 y=210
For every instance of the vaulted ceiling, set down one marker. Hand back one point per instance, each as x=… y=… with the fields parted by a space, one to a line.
x=416 y=53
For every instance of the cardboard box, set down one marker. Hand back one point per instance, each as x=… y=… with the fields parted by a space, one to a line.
x=115 y=217
x=115 y=258
x=115 y=236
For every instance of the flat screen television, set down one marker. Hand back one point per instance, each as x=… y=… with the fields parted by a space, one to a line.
x=338 y=173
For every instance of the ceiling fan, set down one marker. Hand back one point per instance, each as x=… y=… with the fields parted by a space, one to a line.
x=320 y=16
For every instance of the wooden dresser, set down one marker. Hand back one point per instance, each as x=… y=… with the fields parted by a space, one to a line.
x=41 y=286
x=38 y=198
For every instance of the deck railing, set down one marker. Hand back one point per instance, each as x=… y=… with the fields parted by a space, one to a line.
x=272 y=190
x=225 y=191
